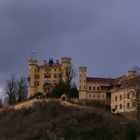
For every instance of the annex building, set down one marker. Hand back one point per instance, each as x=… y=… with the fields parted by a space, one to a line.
x=41 y=78
x=121 y=93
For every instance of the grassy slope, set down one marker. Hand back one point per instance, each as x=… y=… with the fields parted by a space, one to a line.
x=48 y=121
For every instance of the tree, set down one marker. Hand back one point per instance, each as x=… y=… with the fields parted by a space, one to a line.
x=65 y=87
x=71 y=74
x=22 y=89
x=74 y=93
x=16 y=89
x=59 y=89
x=11 y=89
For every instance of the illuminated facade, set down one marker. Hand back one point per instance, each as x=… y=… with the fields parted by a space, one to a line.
x=120 y=92
x=41 y=78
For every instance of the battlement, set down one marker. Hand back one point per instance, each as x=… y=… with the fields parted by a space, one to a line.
x=32 y=62
x=65 y=60
x=54 y=66
x=82 y=68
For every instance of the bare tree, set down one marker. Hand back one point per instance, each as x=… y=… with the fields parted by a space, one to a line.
x=22 y=89
x=16 y=89
x=11 y=89
x=71 y=74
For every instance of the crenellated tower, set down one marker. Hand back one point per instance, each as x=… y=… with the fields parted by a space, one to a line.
x=42 y=78
x=82 y=82
x=32 y=65
x=66 y=67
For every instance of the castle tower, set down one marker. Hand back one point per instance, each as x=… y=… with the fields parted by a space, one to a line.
x=66 y=67
x=32 y=64
x=132 y=73
x=82 y=82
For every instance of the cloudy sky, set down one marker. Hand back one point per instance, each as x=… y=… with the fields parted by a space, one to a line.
x=103 y=35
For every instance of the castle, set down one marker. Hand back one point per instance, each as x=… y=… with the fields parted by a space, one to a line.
x=120 y=93
x=41 y=78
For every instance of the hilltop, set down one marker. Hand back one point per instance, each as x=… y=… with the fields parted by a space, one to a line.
x=55 y=120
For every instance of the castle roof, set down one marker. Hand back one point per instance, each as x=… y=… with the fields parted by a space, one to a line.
x=118 y=83
x=97 y=79
x=126 y=83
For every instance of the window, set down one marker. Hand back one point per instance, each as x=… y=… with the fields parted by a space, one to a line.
x=47 y=75
x=128 y=105
x=120 y=106
x=116 y=98
x=55 y=75
x=89 y=88
x=29 y=79
x=89 y=95
x=98 y=88
x=133 y=104
x=84 y=87
x=36 y=83
x=116 y=107
x=60 y=75
x=120 y=97
x=36 y=76
x=133 y=95
x=93 y=88
x=128 y=96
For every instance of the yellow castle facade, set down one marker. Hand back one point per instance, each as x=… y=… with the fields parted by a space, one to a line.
x=120 y=93
x=42 y=77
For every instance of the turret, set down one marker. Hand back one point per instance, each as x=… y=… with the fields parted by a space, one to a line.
x=82 y=78
x=82 y=82
x=132 y=73
x=66 y=67
x=31 y=79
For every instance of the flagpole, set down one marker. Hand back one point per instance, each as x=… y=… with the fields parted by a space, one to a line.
x=32 y=54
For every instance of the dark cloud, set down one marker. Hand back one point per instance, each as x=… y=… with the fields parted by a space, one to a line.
x=103 y=35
